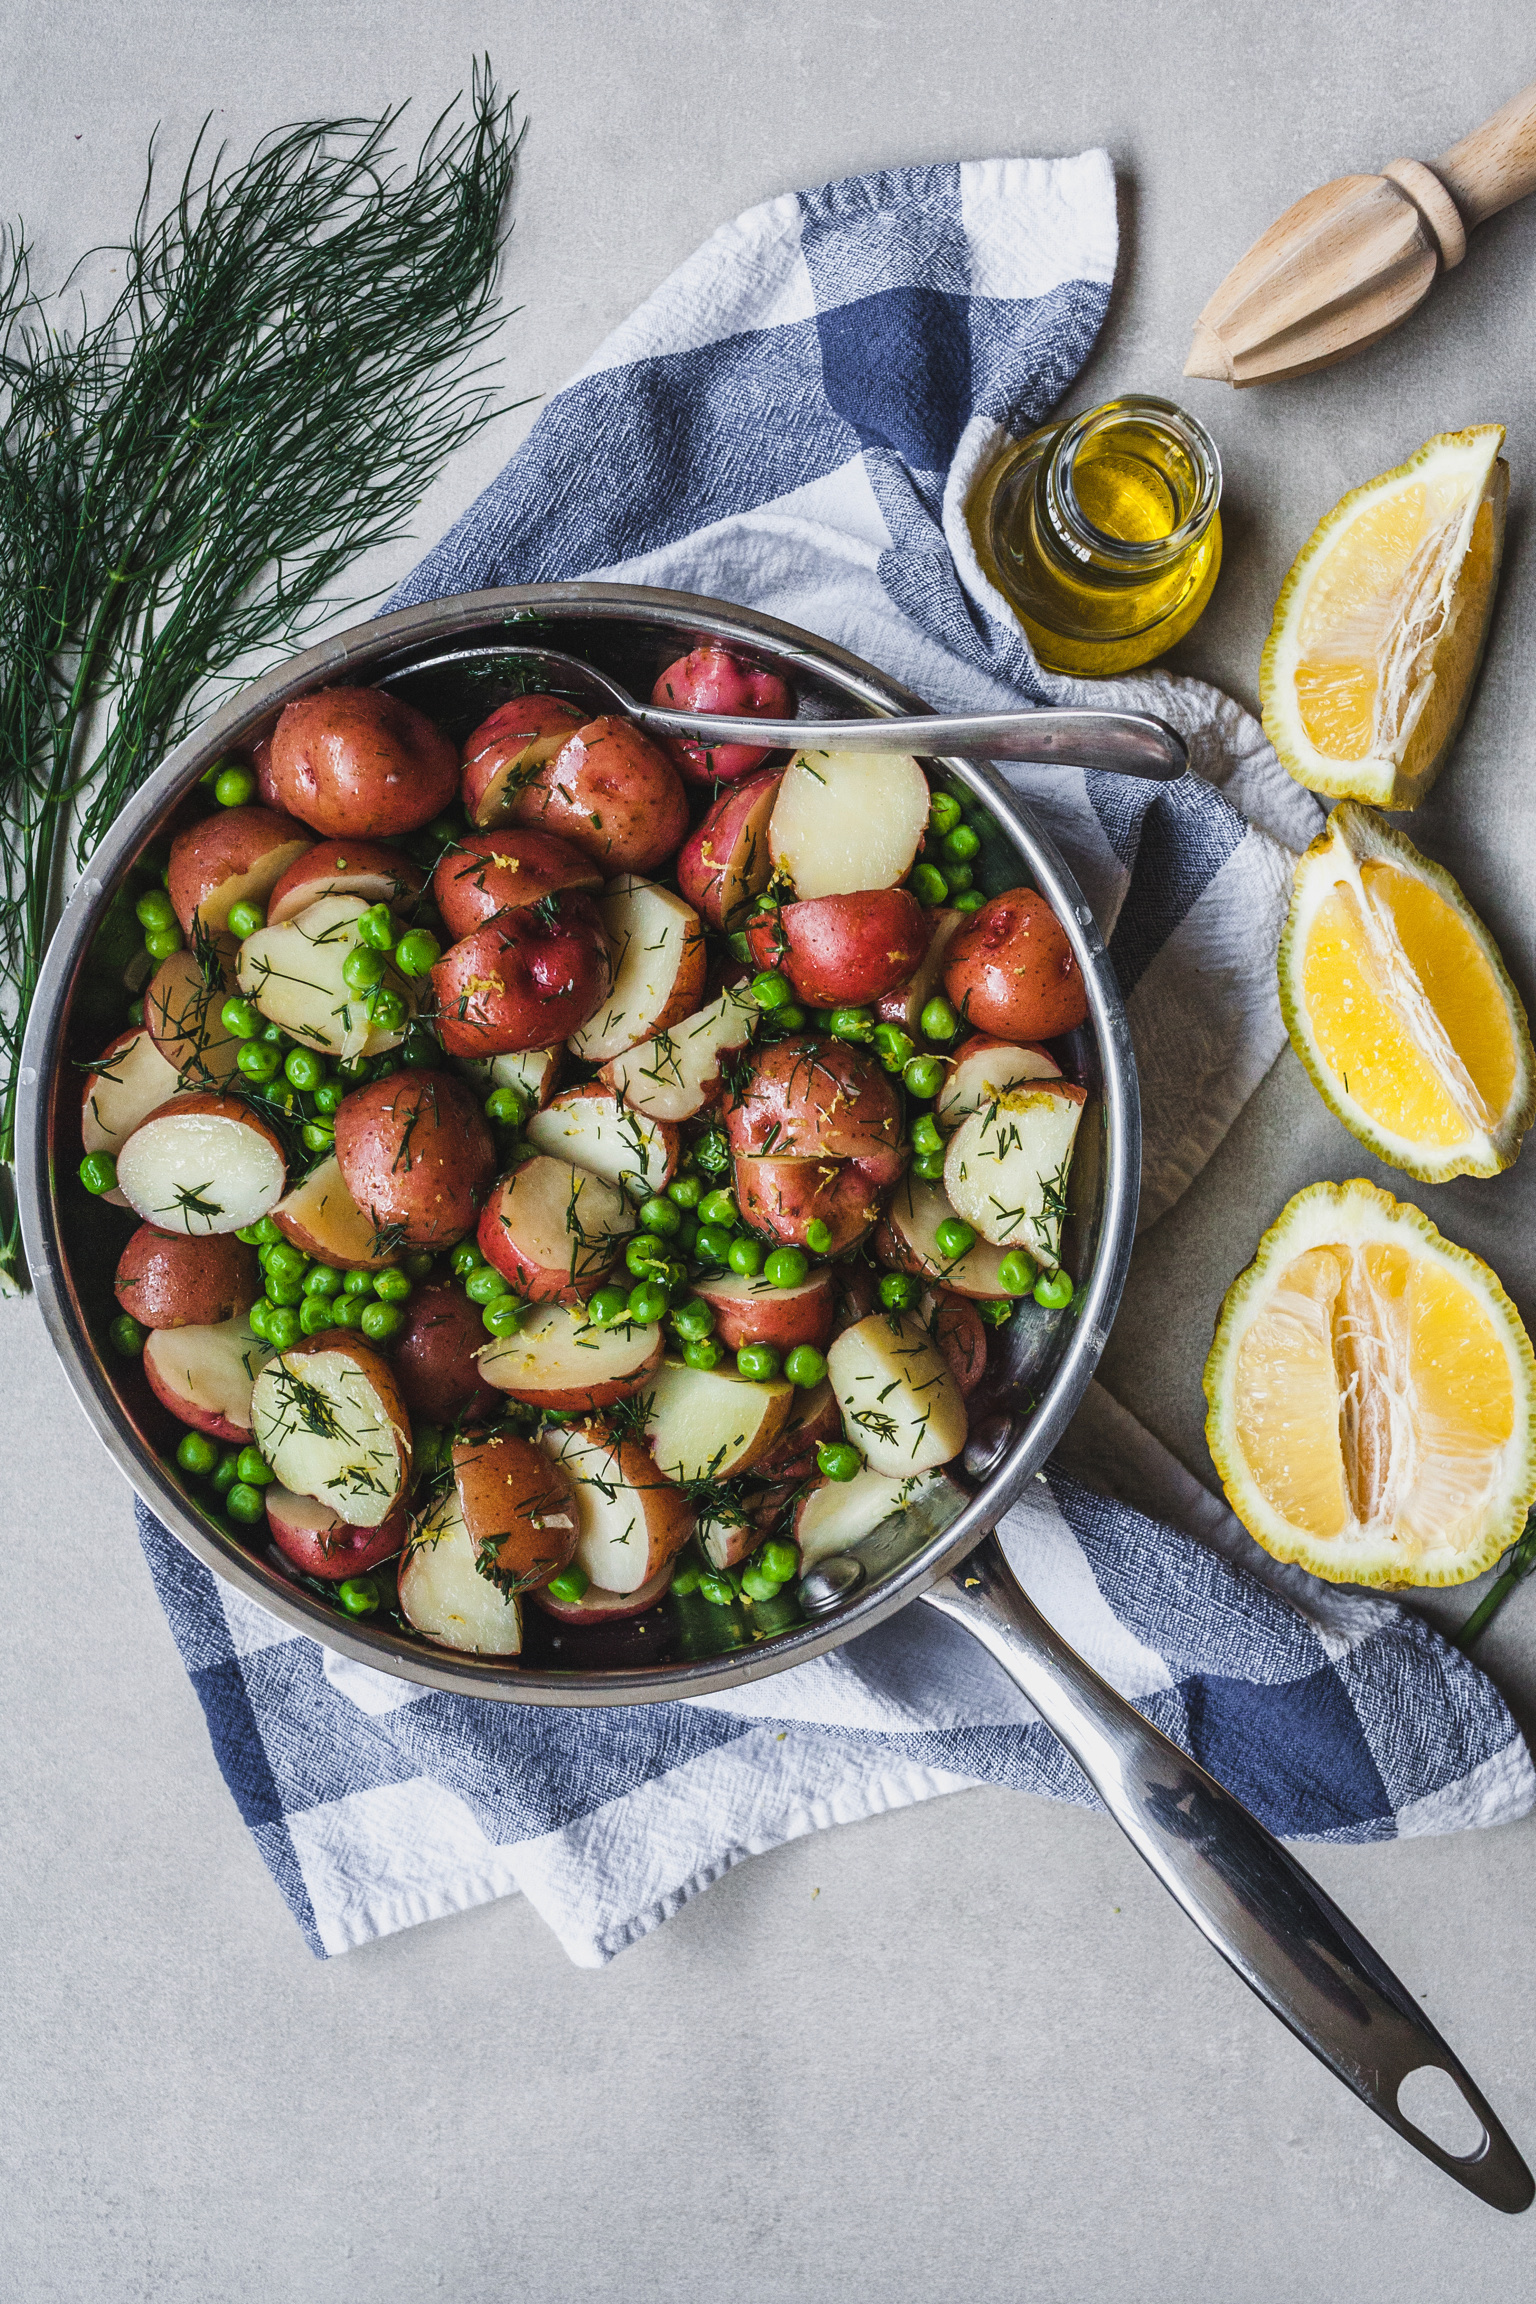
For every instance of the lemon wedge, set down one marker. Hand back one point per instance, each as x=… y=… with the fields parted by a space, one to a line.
x=1398 y=1004
x=1379 y=627
x=1372 y=1396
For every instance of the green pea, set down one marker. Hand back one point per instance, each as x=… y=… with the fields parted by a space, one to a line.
x=252 y=1467
x=245 y=919
x=392 y=1285
x=893 y=1046
x=357 y=1284
x=346 y=1311
x=971 y=901
x=853 y=1024
x=256 y=1319
x=283 y=1259
x=759 y=1362
x=661 y=1216
x=241 y=1019
x=160 y=943
x=268 y=1231
x=442 y=829
x=954 y=1238
x=98 y=1173
x=687 y=1191
x=485 y=1284
x=248 y=1234
x=995 y=1314
x=740 y=949
x=127 y=1336
x=929 y=886
x=648 y=1303
x=418 y=1265
x=924 y=1076
x=136 y=1013
x=322 y=1280
x=704 y=1352
x=694 y=1320
x=745 y=1256
x=770 y=990
x=943 y=813
x=822 y=1019
x=607 y=1306
x=779 y=1559
x=283 y=1328
x=898 y=1291
x=376 y=929
x=363 y=968
x=960 y=877
x=381 y=1321
x=756 y=1585
x=1054 y=1290
x=154 y=909
x=243 y=1502
x=503 y=1316
x=274 y=1033
x=719 y=1208
x=1018 y=1273
x=196 y=1453
x=571 y=1585
x=644 y=1252
x=962 y=844
x=303 y=1068
x=418 y=953
x=719 y=1591
x=805 y=1367
x=818 y=1236
x=925 y=1134
x=259 y=1060
x=835 y=1460
x=226 y=1472
x=315 y=1313
x=929 y=1165
x=358 y=1595
x=786 y=1267
x=387 y=1010
x=789 y=1019
x=234 y=788
x=318 y=1135
x=712 y=1153
x=506 y=1108
x=419 y=1051
x=465 y=1257
x=685 y=1579
x=430 y=1447
x=284 y=1291
x=938 y=1021
x=765 y=902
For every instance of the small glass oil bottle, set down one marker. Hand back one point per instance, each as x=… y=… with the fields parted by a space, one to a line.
x=1103 y=533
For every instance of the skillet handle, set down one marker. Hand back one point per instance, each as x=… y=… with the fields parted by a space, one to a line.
x=1288 y=1941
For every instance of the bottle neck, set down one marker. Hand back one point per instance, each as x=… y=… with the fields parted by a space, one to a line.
x=1126 y=492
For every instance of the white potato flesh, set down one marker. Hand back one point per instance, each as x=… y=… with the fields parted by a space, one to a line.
x=323 y=1427
x=321 y=1217
x=628 y=1527
x=675 y=1074
x=206 y=1374
x=655 y=940
x=983 y=1071
x=131 y=1080
x=710 y=1423
x=592 y=1128
x=915 y=1212
x=848 y=820
x=200 y=1172
x=560 y=1223
x=901 y=1406
x=1007 y=1166
x=837 y=1514
x=557 y=1353
x=293 y=973
x=531 y=1071
x=444 y=1595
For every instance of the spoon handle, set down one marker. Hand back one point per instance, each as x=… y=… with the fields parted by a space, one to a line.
x=1287 y=1940
x=1129 y=743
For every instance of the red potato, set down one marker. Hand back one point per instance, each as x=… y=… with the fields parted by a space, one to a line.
x=837 y=949
x=558 y=1361
x=906 y=1240
x=204 y=1376
x=417 y=1155
x=519 y=1506
x=316 y=1540
x=592 y=1129
x=235 y=856
x=612 y=793
x=712 y=680
x=328 y=1417
x=261 y=769
x=659 y=967
x=808 y=1098
x=1006 y=1166
x=727 y=1536
x=367 y=869
x=166 y=1280
x=295 y=973
x=520 y=981
x=631 y=1520
x=982 y=1068
x=902 y=1408
x=507 y=749
x=710 y=1423
x=444 y=1596
x=320 y=1216
x=814 y=1418
x=359 y=764
x=783 y=1198
x=725 y=862
x=905 y=1004
x=553 y=1229
x=533 y=1073
x=848 y=820
x=598 y=1607
x=681 y=1070
x=183 y=1011
x=858 y=1292
x=835 y=1515
x=202 y=1164
x=956 y=1327
x=492 y=872
x=129 y=1080
x=434 y=1358
x=755 y=1312
x=1011 y=971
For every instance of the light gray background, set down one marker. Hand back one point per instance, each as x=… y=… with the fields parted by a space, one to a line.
x=969 y=2051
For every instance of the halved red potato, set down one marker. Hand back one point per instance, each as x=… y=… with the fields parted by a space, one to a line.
x=599 y=1607
x=1006 y=1167
x=837 y=1514
x=814 y=1417
x=906 y=1240
x=130 y=1079
x=813 y=1097
x=320 y=1216
x=632 y=1521
x=434 y=1358
x=523 y=979
x=755 y=1312
x=785 y=1197
x=612 y=793
x=204 y=1375
x=367 y=869
x=956 y=1327
x=328 y=1417
x=294 y=973
x=519 y=1507
x=658 y=969
x=1011 y=970
x=710 y=1423
x=166 y=1280
x=592 y=1128
x=417 y=1155
x=491 y=872
x=846 y=820
x=531 y=1072
x=728 y=1535
x=905 y=1004
x=261 y=769
x=901 y=1406
x=679 y=1071
x=358 y=764
x=201 y=1164
x=318 y=1542
x=982 y=1068
x=837 y=949
x=235 y=856
x=725 y=863
x=443 y=1594
x=184 y=1014
x=712 y=680
x=507 y=749
x=553 y=1229
x=559 y=1361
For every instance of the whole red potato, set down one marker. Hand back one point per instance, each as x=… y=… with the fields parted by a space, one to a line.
x=417 y=1155
x=612 y=793
x=357 y=763
x=1011 y=971
x=491 y=872
x=506 y=749
x=522 y=981
x=434 y=1358
x=171 y=1280
x=712 y=680
x=837 y=949
x=813 y=1099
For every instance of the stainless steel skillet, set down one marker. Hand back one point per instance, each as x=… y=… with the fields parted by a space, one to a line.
x=457 y=658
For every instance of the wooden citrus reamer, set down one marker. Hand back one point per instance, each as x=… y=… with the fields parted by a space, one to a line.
x=1349 y=262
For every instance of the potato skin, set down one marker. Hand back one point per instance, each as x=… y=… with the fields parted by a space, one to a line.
x=355 y=763
x=1011 y=971
x=519 y=982
x=610 y=792
x=956 y=1327
x=417 y=1156
x=708 y=855
x=335 y=867
x=493 y=872
x=837 y=949
x=712 y=680
x=253 y=845
x=433 y=1358
x=342 y=1550
x=505 y=749
x=171 y=1280
x=810 y=1098
x=595 y=1607
x=519 y=1507
x=782 y=1198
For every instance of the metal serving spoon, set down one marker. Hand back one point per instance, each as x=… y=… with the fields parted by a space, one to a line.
x=1129 y=743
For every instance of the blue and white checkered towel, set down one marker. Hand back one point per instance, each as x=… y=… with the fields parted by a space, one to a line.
x=792 y=422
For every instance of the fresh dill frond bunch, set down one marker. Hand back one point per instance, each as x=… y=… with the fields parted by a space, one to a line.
x=184 y=480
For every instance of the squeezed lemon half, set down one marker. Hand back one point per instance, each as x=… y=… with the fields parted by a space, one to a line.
x=1399 y=1005
x=1372 y=1396
x=1380 y=625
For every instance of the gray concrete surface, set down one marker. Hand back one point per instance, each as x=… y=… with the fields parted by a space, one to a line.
x=967 y=2052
